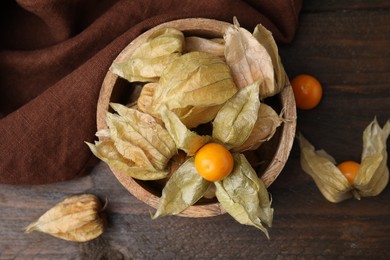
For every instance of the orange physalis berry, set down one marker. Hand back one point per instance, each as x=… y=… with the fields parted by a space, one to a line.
x=349 y=170
x=307 y=91
x=214 y=162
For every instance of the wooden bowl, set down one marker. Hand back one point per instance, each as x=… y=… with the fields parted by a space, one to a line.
x=268 y=160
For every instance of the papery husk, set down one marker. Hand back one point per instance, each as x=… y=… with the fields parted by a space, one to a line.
x=373 y=174
x=197 y=115
x=265 y=38
x=149 y=60
x=142 y=69
x=248 y=60
x=194 y=83
x=264 y=129
x=161 y=42
x=214 y=46
x=107 y=152
x=244 y=196
x=77 y=218
x=145 y=99
x=139 y=138
x=149 y=128
x=185 y=139
x=118 y=128
x=328 y=178
x=371 y=178
x=190 y=118
x=235 y=120
x=183 y=189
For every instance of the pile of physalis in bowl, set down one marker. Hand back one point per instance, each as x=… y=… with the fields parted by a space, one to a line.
x=198 y=110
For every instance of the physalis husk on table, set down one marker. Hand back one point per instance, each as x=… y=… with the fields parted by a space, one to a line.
x=77 y=218
x=371 y=178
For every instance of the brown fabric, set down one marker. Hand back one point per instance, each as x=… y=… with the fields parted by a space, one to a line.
x=54 y=55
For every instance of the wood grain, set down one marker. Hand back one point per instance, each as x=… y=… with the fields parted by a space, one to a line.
x=347 y=48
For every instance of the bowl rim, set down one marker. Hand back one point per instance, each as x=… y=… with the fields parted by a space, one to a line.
x=286 y=98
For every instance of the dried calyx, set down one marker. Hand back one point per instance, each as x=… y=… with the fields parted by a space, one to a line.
x=78 y=218
x=371 y=178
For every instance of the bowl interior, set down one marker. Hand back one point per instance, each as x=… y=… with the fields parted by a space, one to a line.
x=268 y=160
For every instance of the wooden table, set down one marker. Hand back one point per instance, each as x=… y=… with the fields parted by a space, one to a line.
x=345 y=44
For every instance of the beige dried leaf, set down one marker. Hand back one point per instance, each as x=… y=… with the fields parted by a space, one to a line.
x=192 y=84
x=213 y=46
x=107 y=152
x=77 y=218
x=266 y=39
x=121 y=135
x=328 y=178
x=244 y=196
x=143 y=70
x=149 y=128
x=265 y=127
x=139 y=138
x=373 y=174
x=162 y=42
x=371 y=178
x=145 y=99
x=191 y=117
x=185 y=139
x=248 y=60
x=196 y=115
x=182 y=190
x=149 y=60
x=235 y=120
